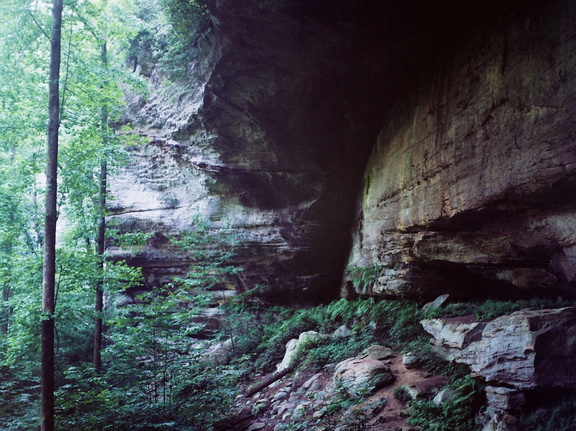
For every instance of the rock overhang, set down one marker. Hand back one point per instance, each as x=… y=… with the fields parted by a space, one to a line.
x=279 y=117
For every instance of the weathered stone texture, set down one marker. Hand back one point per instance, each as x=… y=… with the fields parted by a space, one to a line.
x=471 y=187
x=527 y=349
x=362 y=375
x=266 y=135
x=516 y=355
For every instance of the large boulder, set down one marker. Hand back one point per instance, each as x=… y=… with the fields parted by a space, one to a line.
x=514 y=354
x=525 y=350
x=294 y=346
x=454 y=334
x=362 y=375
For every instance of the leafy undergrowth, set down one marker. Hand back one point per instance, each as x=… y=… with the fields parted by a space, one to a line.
x=392 y=323
x=489 y=309
x=158 y=376
x=19 y=399
x=261 y=345
x=457 y=414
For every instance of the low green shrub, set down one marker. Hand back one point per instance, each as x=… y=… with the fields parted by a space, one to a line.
x=20 y=395
x=363 y=276
x=491 y=308
x=332 y=350
x=402 y=394
x=457 y=414
x=290 y=323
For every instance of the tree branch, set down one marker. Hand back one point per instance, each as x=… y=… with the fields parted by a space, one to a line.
x=40 y=27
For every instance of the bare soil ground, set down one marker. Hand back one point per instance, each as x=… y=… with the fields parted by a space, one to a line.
x=392 y=417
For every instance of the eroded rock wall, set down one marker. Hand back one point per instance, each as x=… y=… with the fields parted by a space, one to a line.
x=471 y=187
x=266 y=137
x=471 y=184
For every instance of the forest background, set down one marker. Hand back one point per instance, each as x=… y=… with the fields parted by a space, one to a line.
x=115 y=367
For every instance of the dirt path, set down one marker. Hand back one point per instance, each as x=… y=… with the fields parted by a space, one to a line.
x=391 y=417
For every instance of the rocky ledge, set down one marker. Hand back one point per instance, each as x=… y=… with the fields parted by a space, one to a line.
x=471 y=186
x=516 y=355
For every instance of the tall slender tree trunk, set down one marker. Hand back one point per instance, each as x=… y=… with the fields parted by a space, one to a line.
x=5 y=318
x=99 y=306
x=6 y=291
x=49 y=273
x=99 y=300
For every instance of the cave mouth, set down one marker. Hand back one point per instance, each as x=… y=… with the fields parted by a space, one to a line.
x=296 y=95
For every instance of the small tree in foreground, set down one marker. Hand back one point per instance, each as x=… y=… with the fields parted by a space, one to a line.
x=156 y=373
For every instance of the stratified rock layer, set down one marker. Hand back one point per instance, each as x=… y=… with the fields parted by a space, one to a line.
x=525 y=350
x=266 y=137
x=516 y=355
x=471 y=187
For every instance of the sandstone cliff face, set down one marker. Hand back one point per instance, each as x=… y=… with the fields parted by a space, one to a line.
x=266 y=137
x=471 y=188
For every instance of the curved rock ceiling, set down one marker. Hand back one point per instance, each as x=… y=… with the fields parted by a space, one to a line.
x=269 y=134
